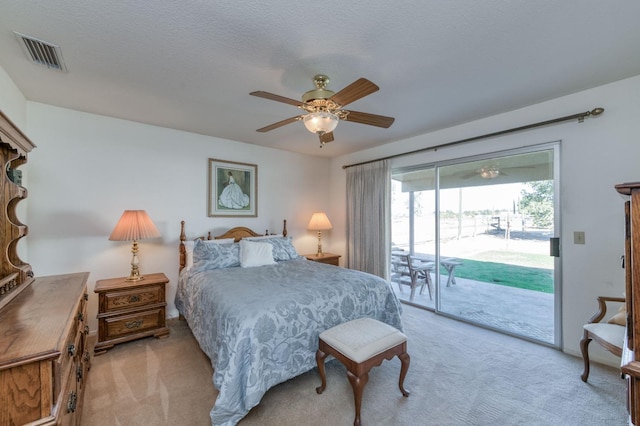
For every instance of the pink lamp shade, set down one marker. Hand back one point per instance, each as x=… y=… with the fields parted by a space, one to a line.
x=134 y=225
x=319 y=222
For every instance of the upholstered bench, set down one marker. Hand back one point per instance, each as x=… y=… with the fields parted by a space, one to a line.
x=360 y=345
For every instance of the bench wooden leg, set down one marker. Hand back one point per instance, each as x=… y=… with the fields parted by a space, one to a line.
x=320 y=356
x=358 y=383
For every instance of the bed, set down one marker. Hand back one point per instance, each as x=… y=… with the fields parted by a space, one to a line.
x=258 y=319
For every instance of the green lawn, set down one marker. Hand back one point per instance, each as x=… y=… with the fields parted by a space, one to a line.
x=529 y=278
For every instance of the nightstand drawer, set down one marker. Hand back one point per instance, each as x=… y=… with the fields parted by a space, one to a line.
x=123 y=325
x=134 y=298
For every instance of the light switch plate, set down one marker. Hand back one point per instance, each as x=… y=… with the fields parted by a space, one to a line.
x=578 y=237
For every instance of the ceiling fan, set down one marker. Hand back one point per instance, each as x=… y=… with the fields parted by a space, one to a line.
x=324 y=108
x=492 y=172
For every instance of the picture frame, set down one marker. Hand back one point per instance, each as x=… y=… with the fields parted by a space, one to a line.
x=233 y=189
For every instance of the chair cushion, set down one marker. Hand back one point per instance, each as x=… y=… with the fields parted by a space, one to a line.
x=610 y=333
x=362 y=338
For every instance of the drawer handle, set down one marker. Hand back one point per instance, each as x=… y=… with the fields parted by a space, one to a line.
x=86 y=296
x=71 y=349
x=134 y=299
x=87 y=356
x=86 y=329
x=72 y=402
x=79 y=372
x=133 y=324
x=80 y=316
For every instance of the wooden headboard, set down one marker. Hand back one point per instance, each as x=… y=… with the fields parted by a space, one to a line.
x=237 y=233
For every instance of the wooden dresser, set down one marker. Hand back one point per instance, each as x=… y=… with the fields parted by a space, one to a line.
x=631 y=366
x=44 y=356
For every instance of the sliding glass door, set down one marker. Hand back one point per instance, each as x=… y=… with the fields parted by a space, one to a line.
x=413 y=231
x=482 y=228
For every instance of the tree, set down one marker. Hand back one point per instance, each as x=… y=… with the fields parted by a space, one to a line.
x=537 y=202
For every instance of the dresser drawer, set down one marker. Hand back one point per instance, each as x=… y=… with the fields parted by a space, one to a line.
x=73 y=348
x=67 y=402
x=137 y=322
x=134 y=298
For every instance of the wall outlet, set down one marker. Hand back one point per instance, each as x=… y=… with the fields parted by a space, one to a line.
x=578 y=237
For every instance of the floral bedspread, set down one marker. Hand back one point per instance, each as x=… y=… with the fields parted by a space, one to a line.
x=260 y=326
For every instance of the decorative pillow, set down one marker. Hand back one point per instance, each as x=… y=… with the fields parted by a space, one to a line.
x=208 y=255
x=255 y=254
x=283 y=249
x=621 y=317
x=263 y=237
x=188 y=245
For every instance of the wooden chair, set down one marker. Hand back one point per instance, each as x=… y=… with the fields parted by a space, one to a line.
x=405 y=270
x=609 y=334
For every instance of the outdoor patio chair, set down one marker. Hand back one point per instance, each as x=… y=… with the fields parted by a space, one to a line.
x=407 y=271
x=609 y=334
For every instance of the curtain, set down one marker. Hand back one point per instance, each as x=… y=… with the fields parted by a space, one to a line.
x=368 y=210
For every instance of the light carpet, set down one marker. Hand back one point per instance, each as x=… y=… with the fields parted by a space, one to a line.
x=459 y=375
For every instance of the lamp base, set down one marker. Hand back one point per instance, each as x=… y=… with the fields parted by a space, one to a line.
x=319 y=253
x=135 y=271
x=134 y=278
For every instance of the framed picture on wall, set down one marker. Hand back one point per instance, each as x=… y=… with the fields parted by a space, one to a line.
x=233 y=189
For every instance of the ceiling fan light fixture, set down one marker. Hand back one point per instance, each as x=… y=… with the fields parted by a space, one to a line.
x=320 y=122
x=489 y=172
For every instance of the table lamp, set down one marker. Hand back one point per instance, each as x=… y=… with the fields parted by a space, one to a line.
x=134 y=225
x=319 y=222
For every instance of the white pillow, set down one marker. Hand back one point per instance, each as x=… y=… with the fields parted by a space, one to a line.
x=255 y=254
x=188 y=245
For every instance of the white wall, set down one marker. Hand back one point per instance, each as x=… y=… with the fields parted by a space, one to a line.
x=87 y=169
x=12 y=102
x=595 y=155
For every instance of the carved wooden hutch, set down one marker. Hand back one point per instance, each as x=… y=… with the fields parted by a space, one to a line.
x=15 y=274
x=631 y=366
x=44 y=356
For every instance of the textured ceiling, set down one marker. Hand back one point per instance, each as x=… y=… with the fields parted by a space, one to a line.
x=190 y=65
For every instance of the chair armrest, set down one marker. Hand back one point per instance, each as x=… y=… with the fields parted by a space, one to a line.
x=602 y=307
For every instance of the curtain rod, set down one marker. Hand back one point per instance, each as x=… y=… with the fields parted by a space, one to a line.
x=580 y=117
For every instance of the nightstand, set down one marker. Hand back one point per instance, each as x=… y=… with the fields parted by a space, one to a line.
x=129 y=310
x=328 y=258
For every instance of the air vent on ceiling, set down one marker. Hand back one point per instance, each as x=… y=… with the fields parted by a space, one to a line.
x=42 y=52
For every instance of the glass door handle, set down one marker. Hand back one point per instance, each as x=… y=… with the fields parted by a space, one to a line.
x=554 y=246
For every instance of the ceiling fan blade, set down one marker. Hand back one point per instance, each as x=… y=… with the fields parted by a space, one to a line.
x=279 y=124
x=356 y=90
x=277 y=98
x=370 y=119
x=327 y=137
